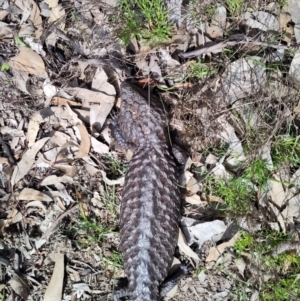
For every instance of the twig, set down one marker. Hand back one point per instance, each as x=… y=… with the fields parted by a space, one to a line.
x=220 y=46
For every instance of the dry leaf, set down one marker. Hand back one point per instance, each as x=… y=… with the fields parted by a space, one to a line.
x=194 y=200
x=276 y=191
x=28 y=159
x=57 y=12
x=35 y=14
x=53 y=180
x=54 y=290
x=28 y=194
x=216 y=252
x=88 y=97
x=59 y=101
x=67 y=169
x=99 y=147
x=85 y=143
x=28 y=61
x=183 y=246
x=33 y=128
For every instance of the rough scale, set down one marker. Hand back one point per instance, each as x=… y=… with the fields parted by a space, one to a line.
x=150 y=205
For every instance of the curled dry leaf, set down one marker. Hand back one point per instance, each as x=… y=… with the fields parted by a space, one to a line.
x=183 y=246
x=37 y=204
x=28 y=159
x=85 y=143
x=109 y=182
x=67 y=169
x=28 y=194
x=53 y=180
x=28 y=61
x=55 y=287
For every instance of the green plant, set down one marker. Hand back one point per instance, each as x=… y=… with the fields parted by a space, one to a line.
x=245 y=242
x=114 y=168
x=115 y=259
x=234 y=6
x=109 y=199
x=286 y=150
x=237 y=194
x=200 y=70
x=5 y=67
x=144 y=19
x=19 y=42
x=259 y=172
x=92 y=231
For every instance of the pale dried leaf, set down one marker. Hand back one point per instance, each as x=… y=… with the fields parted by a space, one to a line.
x=88 y=97
x=67 y=169
x=28 y=61
x=241 y=265
x=192 y=186
x=52 y=3
x=57 y=13
x=194 y=200
x=54 y=290
x=183 y=246
x=66 y=116
x=99 y=147
x=53 y=180
x=33 y=128
x=28 y=159
x=20 y=286
x=98 y=115
x=216 y=252
x=28 y=194
x=35 y=14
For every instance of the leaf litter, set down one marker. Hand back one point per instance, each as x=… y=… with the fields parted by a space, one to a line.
x=55 y=139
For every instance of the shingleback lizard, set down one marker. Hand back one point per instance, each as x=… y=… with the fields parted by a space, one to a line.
x=150 y=205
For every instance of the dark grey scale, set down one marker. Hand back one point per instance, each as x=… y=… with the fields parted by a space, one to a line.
x=150 y=204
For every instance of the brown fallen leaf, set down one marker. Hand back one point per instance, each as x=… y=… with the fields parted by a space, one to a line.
x=28 y=194
x=216 y=252
x=28 y=159
x=85 y=143
x=59 y=101
x=4 y=160
x=54 y=289
x=28 y=61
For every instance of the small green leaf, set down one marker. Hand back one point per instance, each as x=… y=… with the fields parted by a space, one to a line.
x=5 y=67
x=19 y=41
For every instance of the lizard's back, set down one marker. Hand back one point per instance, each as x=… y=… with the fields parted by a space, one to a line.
x=150 y=197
